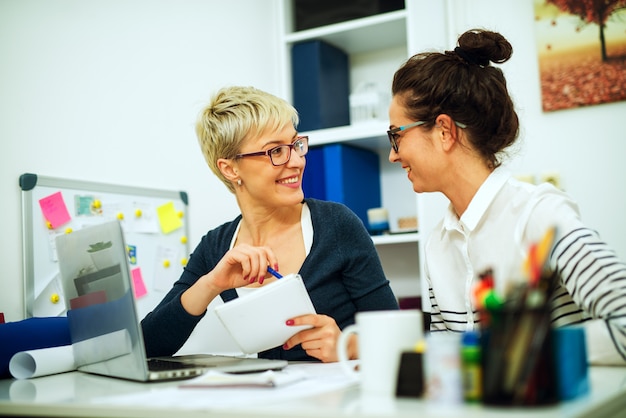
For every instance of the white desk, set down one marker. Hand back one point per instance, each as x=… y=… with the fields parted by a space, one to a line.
x=77 y=394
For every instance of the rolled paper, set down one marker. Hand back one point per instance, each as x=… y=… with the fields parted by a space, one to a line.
x=31 y=334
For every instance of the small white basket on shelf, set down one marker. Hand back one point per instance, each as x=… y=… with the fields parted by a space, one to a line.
x=368 y=103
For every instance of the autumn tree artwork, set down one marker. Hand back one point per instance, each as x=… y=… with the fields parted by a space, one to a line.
x=582 y=52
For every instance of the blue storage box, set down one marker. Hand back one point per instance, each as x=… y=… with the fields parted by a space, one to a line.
x=321 y=85
x=345 y=174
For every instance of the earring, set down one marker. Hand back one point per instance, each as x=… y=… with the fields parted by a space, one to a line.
x=238 y=182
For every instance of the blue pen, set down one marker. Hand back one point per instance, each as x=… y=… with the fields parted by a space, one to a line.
x=274 y=273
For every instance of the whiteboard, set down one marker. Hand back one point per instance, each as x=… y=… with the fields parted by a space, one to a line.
x=155 y=225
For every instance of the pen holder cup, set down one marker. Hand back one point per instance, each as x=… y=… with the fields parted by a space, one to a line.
x=517 y=357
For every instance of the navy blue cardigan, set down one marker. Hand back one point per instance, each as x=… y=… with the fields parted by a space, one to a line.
x=342 y=274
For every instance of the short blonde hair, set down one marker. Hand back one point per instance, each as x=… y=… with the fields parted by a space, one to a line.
x=235 y=114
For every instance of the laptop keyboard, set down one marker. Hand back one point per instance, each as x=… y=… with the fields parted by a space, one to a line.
x=164 y=365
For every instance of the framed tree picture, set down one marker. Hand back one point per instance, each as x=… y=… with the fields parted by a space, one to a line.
x=582 y=52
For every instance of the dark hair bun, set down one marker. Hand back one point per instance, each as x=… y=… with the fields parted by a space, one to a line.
x=482 y=46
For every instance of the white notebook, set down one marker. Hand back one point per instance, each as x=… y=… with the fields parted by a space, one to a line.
x=257 y=320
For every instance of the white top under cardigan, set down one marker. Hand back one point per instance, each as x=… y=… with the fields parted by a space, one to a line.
x=307 y=233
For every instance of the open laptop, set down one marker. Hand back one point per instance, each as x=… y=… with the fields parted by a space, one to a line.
x=104 y=327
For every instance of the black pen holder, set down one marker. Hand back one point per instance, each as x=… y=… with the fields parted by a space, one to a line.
x=517 y=357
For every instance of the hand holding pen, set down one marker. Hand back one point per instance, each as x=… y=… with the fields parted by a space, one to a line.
x=243 y=265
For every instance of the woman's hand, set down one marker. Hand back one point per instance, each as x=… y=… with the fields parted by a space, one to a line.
x=321 y=340
x=240 y=266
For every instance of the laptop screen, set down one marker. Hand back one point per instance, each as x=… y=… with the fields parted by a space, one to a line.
x=96 y=282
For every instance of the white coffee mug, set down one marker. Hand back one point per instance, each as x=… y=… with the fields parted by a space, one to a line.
x=382 y=337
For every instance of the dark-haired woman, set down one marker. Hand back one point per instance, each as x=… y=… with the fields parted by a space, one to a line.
x=451 y=122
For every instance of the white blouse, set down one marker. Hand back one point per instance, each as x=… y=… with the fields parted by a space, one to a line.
x=503 y=219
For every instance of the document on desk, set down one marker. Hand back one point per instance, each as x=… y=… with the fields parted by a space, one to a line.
x=269 y=378
x=314 y=379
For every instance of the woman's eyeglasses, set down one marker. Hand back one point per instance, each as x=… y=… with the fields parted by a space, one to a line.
x=281 y=154
x=393 y=133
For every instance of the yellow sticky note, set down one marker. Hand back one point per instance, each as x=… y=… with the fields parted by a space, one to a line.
x=168 y=218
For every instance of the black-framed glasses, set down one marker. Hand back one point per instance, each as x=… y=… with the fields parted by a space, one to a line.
x=281 y=154
x=393 y=133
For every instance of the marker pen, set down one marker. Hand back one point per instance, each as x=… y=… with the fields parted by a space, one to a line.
x=274 y=273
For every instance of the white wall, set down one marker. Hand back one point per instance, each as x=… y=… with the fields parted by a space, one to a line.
x=108 y=91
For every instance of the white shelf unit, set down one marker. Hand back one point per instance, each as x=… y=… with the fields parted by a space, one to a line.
x=376 y=47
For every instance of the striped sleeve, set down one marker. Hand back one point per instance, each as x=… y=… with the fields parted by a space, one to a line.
x=596 y=281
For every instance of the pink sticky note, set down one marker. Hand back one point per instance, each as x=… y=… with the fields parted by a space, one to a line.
x=138 y=283
x=54 y=210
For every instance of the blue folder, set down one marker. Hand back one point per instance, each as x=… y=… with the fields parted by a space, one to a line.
x=321 y=85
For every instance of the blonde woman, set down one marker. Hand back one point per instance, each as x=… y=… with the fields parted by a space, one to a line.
x=250 y=142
